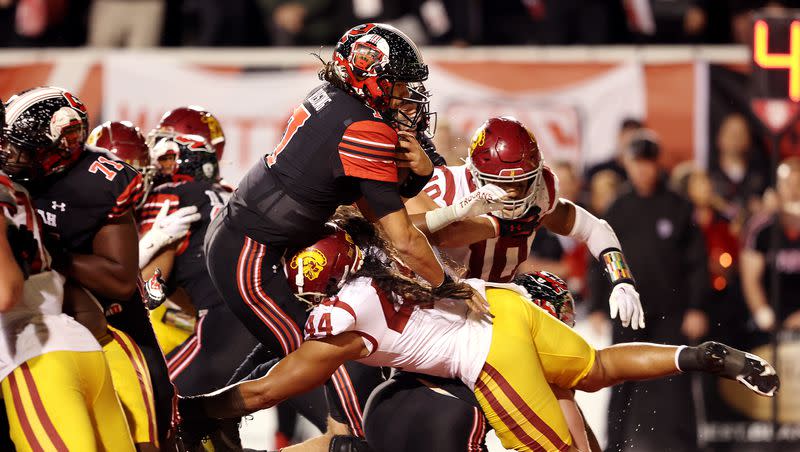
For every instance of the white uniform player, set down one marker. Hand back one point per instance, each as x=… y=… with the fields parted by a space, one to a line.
x=442 y=339
x=36 y=325
x=495 y=259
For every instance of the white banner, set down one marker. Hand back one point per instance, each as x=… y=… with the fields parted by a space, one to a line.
x=578 y=123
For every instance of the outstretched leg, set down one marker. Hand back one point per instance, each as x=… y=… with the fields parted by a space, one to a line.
x=642 y=361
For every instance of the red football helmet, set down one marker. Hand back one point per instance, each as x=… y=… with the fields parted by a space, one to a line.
x=321 y=268
x=192 y=120
x=123 y=139
x=505 y=151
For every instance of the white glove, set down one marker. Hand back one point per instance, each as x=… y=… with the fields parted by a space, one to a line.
x=482 y=201
x=625 y=299
x=167 y=229
x=764 y=318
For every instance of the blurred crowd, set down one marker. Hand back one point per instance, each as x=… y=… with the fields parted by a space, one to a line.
x=149 y=23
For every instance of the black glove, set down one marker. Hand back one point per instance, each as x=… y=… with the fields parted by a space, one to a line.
x=195 y=426
x=156 y=290
x=430 y=149
x=24 y=246
x=522 y=227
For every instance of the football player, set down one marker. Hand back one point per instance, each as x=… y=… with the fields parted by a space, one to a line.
x=207 y=359
x=339 y=148
x=55 y=381
x=125 y=141
x=366 y=311
x=505 y=153
x=85 y=196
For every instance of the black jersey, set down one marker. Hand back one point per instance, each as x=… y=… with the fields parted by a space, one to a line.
x=786 y=261
x=78 y=202
x=334 y=151
x=189 y=269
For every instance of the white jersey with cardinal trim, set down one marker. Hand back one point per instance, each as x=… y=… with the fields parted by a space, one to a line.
x=494 y=259
x=36 y=324
x=443 y=339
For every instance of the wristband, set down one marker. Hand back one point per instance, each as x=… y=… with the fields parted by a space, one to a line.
x=439 y=218
x=414 y=184
x=616 y=268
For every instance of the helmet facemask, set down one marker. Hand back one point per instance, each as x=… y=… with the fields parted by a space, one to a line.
x=412 y=112
x=512 y=208
x=20 y=163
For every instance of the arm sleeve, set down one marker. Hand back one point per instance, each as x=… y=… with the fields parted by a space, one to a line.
x=382 y=197
x=131 y=192
x=368 y=150
x=696 y=261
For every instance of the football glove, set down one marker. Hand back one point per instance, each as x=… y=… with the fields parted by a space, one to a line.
x=156 y=290
x=482 y=201
x=167 y=228
x=624 y=300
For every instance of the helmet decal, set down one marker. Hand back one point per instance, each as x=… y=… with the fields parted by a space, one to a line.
x=214 y=129
x=65 y=123
x=478 y=139
x=309 y=263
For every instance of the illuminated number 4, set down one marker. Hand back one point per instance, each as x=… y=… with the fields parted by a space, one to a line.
x=323 y=327
x=790 y=61
x=102 y=164
x=299 y=117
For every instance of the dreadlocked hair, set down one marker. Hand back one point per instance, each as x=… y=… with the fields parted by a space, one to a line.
x=381 y=263
x=329 y=73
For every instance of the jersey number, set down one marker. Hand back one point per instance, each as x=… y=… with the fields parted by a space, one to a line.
x=433 y=189
x=323 y=327
x=299 y=117
x=100 y=165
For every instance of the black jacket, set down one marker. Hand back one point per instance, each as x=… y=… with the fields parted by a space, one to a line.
x=665 y=250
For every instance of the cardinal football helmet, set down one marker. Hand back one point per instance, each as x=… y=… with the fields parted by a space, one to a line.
x=125 y=140
x=319 y=270
x=504 y=151
x=191 y=120
x=550 y=293
x=46 y=129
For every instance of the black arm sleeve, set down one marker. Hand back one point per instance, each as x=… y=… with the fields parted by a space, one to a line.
x=382 y=197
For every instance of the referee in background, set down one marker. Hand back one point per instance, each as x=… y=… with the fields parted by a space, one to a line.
x=665 y=250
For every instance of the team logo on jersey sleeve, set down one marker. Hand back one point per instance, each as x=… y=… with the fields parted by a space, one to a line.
x=311 y=261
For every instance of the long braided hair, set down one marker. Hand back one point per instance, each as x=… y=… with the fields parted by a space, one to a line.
x=381 y=263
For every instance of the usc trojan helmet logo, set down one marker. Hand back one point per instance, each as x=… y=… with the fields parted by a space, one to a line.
x=479 y=139
x=214 y=129
x=310 y=261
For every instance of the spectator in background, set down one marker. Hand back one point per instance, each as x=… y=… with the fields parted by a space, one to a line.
x=666 y=252
x=560 y=254
x=756 y=265
x=726 y=304
x=738 y=176
x=206 y=23
x=627 y=129
x=42 y=23
x=305 y=22
x=125 y=23
x=604 y=188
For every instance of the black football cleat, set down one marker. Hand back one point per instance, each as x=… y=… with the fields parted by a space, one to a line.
x=746 y=368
